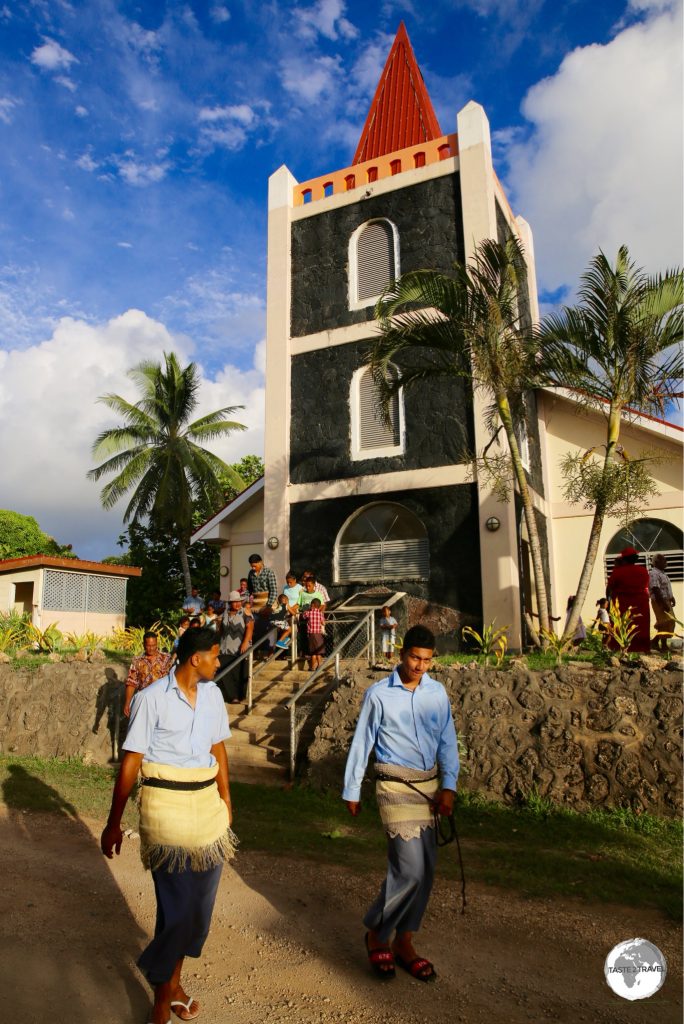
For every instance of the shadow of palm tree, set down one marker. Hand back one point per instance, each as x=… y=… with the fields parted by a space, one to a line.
x=67 y=937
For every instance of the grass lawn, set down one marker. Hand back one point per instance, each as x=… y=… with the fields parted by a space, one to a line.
x=536 y=849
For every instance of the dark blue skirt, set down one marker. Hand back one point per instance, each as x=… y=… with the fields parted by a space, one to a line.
x=185 y=902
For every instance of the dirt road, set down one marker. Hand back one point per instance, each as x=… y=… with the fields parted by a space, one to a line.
x=286 y=944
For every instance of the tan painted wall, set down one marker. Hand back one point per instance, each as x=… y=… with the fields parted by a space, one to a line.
x=82 y=622
x=7 y=581
x=569 y=429
x=66 y=622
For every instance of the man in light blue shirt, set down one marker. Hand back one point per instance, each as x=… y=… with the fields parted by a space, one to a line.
x=175 y=741
x=193 y=603
x=406 y=720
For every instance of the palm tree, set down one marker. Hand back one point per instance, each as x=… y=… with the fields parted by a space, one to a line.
x=624 y=342
x=157 y=453
x=469 y=326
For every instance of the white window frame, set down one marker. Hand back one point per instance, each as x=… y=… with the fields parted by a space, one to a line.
x=354 y=301
x=375 y=579
x=386 y=451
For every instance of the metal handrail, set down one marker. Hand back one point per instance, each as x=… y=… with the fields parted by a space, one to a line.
x=249 y=656
x=334 y=656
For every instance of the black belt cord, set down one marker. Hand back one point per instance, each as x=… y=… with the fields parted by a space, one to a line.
x=170 y=784
x=442 y=839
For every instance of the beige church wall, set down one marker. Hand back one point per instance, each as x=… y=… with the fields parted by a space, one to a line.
x=244 y=536
x=239 y=562
x=571 y=536
x=571 y=429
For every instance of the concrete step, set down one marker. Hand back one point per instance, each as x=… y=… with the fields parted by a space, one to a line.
x=279 y=669
x=269 y=775
x=239 y=740
x=254 y=756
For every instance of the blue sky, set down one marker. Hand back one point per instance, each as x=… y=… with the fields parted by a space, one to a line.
x=136 y=141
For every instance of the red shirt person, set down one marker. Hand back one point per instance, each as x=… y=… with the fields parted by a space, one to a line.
x=145 y=669
x=628 y=586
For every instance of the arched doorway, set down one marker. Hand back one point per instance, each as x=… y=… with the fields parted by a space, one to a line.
x=649 y=537
x=380 y=543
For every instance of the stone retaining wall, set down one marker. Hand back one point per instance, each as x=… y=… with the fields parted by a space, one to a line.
x=581 y=737
x=62 y=710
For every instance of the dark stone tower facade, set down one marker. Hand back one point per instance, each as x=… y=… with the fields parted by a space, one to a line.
x=357 y=499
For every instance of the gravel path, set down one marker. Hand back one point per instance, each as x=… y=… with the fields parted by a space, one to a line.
x=286 y=944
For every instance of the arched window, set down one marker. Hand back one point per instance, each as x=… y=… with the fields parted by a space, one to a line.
x=372 y=436
x=382 y=542
x=650 y=537
x=373 y=261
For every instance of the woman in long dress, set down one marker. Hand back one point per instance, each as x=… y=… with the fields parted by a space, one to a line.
x=629 y=585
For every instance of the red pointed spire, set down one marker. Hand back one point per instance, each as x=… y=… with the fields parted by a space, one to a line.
x=401 y=113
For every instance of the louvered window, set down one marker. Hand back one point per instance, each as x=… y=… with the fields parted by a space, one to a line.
x=675 y=563
x=650 y=537
x=372 y=435
x=384 y=542
x=374 y=259
x=374 y=430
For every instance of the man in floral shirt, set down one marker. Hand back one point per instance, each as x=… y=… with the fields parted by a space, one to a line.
x=145 y=669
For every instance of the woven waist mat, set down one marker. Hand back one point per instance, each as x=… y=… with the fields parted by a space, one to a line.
x=405 y=810
x=182 y=828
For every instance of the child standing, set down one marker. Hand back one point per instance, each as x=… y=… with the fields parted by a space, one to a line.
x=292 y=589
x=388 y=631
x=315 y=632
x=602 y=620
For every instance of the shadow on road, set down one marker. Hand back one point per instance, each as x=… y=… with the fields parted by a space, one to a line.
x=67 y=938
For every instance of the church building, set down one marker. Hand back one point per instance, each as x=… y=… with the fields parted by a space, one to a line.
x=361 y=501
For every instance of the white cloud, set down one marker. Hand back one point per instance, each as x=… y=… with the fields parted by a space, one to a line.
x=81 y=111
x=143 y=41
x=310 y=79
x=602 y=164
x=219 y=14
x=65 y=82
x=68 y=214
x=58 y=381
x=325 y=18
x=125 y=245
x=136 y=172
x=51 y=56
x=230 y=126
x=86 y=163
x=7 y=105
x=241 y=113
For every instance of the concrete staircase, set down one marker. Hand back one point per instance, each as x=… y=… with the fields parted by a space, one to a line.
x=258 y=749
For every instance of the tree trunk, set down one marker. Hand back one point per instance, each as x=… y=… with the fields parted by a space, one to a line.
x=614 y=418
x=183 y=552
x=528 y=509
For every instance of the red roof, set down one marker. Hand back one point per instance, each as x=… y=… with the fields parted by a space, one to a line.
x=48 y=562
x=401 y=113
